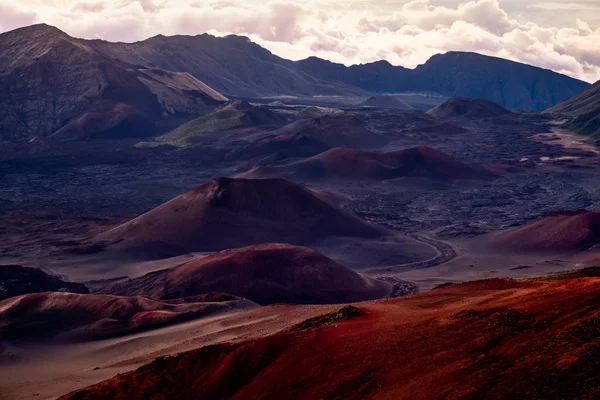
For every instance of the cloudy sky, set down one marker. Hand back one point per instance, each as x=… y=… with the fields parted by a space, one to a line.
x=562 y=35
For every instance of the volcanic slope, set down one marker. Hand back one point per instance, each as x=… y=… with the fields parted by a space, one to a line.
x=278 y=147
x=16 y=280
x=562 y=231
x=53 y=84
x=234 y=114
x=348 y=163
x=495 y=339
x=90 y=316
x=265 y=273
x=227 y=213
x=468 y=108
x=234 y=65
x=584 y=110
x=338 y=130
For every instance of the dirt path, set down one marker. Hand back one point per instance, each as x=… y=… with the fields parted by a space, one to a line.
x=445 y=254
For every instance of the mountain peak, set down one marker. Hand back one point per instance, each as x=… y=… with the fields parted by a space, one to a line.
x=37 y=29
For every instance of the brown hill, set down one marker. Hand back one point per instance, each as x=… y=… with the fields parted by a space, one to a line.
x=226 y=213
x=231 y=115
x=559 y=231
x=265 y=273
x=16 y=280
x=468 y=108
x=348 y=163
x=337 y=130
x=495 y=339
x=55 y=84
x=90 y=316
x=279 y=147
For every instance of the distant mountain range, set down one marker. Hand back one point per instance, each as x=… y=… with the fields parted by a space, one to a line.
x=53 y=84
x=237 y=67
x=583 y=110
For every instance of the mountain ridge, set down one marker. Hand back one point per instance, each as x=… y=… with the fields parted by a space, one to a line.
x=238 y=67
x=583 y=111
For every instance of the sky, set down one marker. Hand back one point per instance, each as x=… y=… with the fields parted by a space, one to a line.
x=560 y=35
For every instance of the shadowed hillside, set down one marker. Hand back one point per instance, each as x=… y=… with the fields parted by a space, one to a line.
x=53 y=84
x=90 y=316
x=583 y=110
x=16 y=280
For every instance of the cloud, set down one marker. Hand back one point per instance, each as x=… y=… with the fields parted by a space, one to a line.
x=12 y=17
x=349 y=32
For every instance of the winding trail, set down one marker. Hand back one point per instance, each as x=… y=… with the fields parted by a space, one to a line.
x=445 y=254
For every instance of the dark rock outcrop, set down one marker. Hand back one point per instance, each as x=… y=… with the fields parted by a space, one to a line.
x=16 y=280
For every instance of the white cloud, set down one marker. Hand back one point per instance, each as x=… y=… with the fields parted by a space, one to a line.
x=349 y=32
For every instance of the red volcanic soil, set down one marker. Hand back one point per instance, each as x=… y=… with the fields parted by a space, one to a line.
x=266 y=273
x=339 y=130
x=471 y=108
x=88 y=316
x=107 y=121
x=349 y=163
x=561 y=231
x=497 y=339
x=227 y=213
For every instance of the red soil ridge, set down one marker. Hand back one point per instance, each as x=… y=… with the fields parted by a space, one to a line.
x=497 y=339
